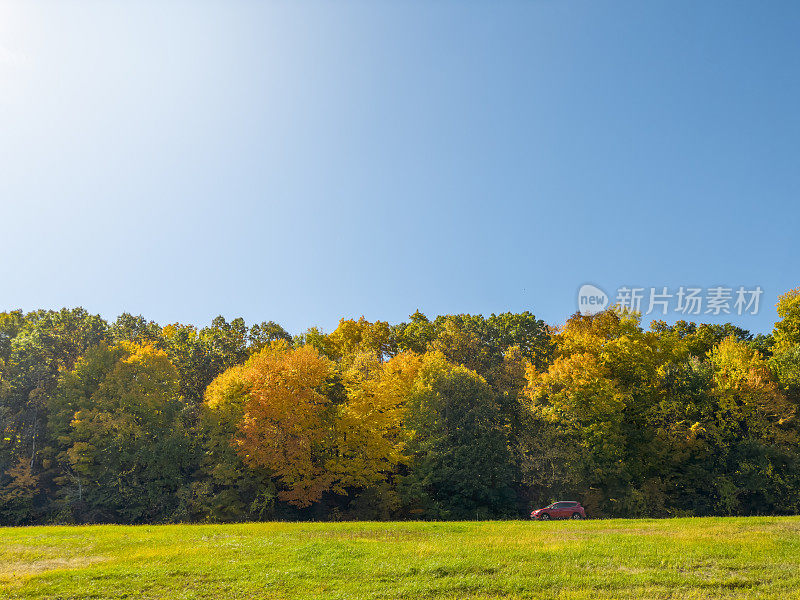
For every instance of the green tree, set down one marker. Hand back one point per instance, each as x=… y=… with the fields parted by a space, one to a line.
x=202 y=355
x=37 y=347
x=264 y=333
x=460 y=461
x=137 y=329
x=117 y=416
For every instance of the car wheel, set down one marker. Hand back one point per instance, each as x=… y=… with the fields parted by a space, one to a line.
x=577 y=516
x=544 y=517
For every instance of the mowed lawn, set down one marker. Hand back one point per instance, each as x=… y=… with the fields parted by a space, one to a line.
x=679 y=558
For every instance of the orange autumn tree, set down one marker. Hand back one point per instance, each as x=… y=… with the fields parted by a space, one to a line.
x=314 y=425
x=287 y=419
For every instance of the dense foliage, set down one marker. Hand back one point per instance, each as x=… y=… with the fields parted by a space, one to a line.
x=457 y=417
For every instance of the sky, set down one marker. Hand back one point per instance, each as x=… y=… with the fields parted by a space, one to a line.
x=306 y=161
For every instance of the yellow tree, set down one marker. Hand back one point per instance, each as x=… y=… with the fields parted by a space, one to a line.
x=580 y=399
x=287 y=414
x=785 y=359
x=17 y=495
x=370 y=439
x=236 y=491
x=787 y=330
x=752 y=430
x=352 y=337
x=590 y=409
x=750 y=404
x=286 y=422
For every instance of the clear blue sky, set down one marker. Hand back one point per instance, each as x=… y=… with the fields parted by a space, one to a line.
x=302 y=161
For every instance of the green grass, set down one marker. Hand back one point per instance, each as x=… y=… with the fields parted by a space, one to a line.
x=680 y=558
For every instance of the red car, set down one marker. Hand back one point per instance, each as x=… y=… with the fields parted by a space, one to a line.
x=559 y=510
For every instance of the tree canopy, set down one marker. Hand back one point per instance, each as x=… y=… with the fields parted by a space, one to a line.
x=457 y=416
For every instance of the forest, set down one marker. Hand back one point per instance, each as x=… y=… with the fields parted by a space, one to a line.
x=452 y=417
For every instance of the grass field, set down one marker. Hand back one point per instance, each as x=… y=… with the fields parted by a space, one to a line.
x=681 y=558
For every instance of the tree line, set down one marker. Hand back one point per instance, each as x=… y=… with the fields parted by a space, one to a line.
x=457 y=417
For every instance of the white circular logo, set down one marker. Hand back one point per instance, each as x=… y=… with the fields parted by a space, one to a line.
x=591 y=299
